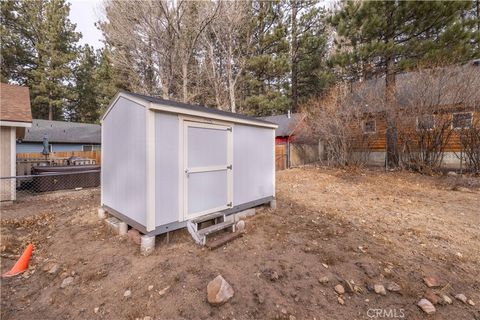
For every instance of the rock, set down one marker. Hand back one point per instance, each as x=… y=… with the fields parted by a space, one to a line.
x=426 y=306
x=379 y=289
x=431 y=296
x=274 y=275
x=54 y=269
x=291 y=317
x=325 y=265
x=219 y=291
x=370 y=270
x=431 y=282
x=134 y=236
x=339 y=289
x=95 y=310
x=461 y=297
x=66 y=282
x=147 y=318
x=452 y=174
x=240 y=226
x=446 y=299
x=127 y=293
x=470 y=302
x=393 y=287
x=163 y=291
x=323 y=280
x=340 y=300
x=150 y=288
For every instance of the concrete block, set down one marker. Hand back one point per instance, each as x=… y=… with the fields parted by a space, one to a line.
x=102 y=214
x=134 y=236
x=273 y=204
x=147 y=245
x=122 y=228
x=113 y=224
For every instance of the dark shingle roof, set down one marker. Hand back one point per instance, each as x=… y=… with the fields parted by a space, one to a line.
x=63 y=132
x=194 y=107
x=286 y=125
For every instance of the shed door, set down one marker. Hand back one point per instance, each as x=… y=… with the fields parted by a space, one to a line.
x=208 y=168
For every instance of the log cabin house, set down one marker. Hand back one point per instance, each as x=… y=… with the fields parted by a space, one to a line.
x=432 y=106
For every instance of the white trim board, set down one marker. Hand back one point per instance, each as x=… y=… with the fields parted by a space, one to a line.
x=4 y=123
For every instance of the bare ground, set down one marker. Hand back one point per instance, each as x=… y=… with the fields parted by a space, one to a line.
x=328 y=222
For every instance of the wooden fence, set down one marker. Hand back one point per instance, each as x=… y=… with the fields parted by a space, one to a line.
x=25 y=161
x=295 y=155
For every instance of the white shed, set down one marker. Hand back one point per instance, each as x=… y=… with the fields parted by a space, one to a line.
x=166 y=163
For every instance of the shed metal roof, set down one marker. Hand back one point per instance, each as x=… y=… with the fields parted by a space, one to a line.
x=196 y=108
x=63 y=132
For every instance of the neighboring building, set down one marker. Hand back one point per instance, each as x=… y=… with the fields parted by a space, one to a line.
x=426 y=100
x=15 y=116
x=62 y=136
x=288 y=125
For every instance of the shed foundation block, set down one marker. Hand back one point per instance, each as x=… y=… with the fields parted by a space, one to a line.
x=147 y=245
x=102 y=214
x=113 y=224
x=273 y=204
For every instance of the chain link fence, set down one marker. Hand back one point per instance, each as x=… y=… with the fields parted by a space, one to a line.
x=19 y=188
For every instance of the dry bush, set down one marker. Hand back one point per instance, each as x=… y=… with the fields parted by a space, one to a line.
x=428 y=99
x=336 y=120
x=470 y=144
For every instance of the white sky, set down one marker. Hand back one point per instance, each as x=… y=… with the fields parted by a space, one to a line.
x=84 y=13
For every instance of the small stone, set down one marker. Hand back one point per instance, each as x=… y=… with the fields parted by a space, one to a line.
x=291 y=317
x=431 y=282
x=274 y=275
x=446 y=299
x=470 y=302
x=325 y=265
x=66 y=282
x=147 y=318
x=135 y=236
x=54 y=269
x=219 y=291
x=339 y=289
x=127 y=293
x=379 y=289
x=426 y=306
x=431 y=296
x=163 y=291
x=340 y=300
x=150 y=287
x=323 y=280
x=461 y=297
x=393 y=287
x=240 y=226
x=95 y=310
x=284 y=311
x=452 y=174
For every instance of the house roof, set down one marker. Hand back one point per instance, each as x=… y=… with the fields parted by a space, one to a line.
x=15 y=103
x=438 y=87
x=196 y=108
x=63 y=132
x=286 y=125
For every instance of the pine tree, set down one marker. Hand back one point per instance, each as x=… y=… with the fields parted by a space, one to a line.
x=106 y=79
x=387 y=37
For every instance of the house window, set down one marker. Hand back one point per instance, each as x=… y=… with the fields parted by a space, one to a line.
x=462 y=120
x=369 y=126
x=91 y=147
x=426 y=122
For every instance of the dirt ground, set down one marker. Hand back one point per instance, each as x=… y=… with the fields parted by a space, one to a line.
x=371 y=227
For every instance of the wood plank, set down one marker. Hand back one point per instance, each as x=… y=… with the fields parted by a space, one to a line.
x=220 y=241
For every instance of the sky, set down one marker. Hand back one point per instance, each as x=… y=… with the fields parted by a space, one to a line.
x=84 y=13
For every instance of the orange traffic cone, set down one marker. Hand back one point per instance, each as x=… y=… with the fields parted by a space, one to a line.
x=22 y=263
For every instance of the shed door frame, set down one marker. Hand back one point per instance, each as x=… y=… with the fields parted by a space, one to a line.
x=185 y=123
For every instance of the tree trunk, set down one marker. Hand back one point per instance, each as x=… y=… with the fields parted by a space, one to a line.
x=391 y=114
x=185 y=82
x=231 y=81
x=293 y=54
x=50 y=106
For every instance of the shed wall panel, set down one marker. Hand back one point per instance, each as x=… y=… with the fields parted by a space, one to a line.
x=166 y=168
x=124 y=160
x=253 y=165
